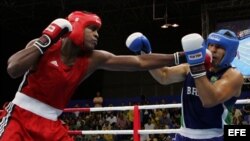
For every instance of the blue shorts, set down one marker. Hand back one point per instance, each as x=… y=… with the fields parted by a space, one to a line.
x=179 y=137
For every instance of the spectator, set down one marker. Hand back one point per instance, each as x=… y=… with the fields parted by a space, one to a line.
x=246 y=113
x=98 y=100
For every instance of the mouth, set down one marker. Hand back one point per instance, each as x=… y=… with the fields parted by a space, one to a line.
x=214 y=56
x=94 y=42
x=214 y=59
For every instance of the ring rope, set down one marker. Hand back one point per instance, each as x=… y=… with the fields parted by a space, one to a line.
x=121 y=108
x=124 y=132
x=141 y=107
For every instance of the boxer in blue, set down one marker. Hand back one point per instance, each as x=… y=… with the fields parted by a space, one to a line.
x=210 y=85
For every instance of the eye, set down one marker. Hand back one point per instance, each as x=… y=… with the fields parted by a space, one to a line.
x=218 y=46
x=215 y=45
x=93 y=27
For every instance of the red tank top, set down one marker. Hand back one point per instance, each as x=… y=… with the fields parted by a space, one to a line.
x=53 y=82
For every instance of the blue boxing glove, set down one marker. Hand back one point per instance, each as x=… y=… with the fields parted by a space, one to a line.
x=195 y=53
x=137 y=43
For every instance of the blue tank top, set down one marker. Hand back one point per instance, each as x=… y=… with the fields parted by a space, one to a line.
x=194 y=115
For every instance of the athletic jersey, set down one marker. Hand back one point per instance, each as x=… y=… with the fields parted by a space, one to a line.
x=53 y=82
x=195 y=116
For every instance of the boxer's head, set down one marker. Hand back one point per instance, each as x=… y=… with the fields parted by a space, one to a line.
x=80 y=20
x=227 y=40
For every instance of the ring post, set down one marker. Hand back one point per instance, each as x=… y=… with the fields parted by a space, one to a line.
x=137 y=123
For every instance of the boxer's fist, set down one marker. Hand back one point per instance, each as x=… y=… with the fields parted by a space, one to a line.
x=192 y=46
x=137 y=42
x=181 y=58
x=58 y=28
x=195 y=52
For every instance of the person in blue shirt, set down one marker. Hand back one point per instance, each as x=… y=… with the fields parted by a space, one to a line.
x=210 y=84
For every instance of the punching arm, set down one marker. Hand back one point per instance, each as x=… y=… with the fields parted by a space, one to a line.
x=139 y=44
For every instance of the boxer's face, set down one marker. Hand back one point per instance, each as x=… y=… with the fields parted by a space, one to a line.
x=217 y=52
x=91 y=37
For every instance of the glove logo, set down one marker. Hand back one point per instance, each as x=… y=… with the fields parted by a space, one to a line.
x=50 y=28
x=195 y=56
x=77 y=19
x=54 y=63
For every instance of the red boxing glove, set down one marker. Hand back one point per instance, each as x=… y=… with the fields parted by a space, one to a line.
x=58 y=28
x=208 y=59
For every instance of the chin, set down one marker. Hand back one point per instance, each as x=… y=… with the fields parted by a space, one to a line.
x=89 y=48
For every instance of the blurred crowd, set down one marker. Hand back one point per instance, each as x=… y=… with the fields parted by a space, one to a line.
x=123 y=120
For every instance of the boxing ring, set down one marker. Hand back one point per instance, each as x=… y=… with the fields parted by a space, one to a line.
x=137 y=131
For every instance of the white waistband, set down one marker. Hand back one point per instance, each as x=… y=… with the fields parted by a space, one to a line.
x=201 y=133
x=35 y=106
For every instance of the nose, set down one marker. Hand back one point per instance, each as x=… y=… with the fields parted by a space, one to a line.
x=96 y=34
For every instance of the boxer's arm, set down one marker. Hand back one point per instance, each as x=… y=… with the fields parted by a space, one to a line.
x=169 y=75
x=133 y=62
x=229 y=85
x=23 y=60
x=138 y=43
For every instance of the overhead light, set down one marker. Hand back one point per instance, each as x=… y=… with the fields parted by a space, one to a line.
x=175 y=25
x=165 y=25
x=169 y=25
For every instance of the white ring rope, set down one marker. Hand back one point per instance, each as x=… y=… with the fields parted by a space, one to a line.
x=129 y=132
x=141 y=107
x=243 y=101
